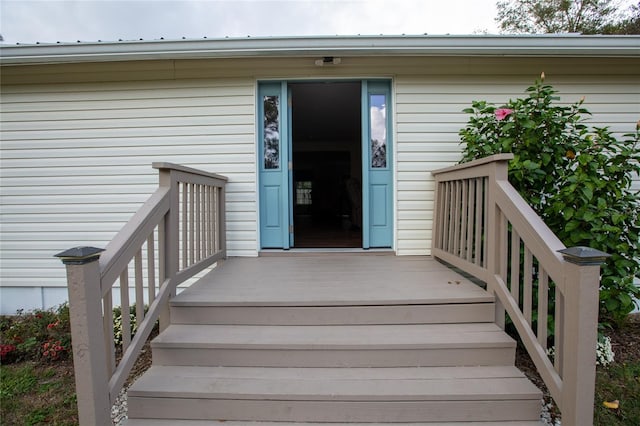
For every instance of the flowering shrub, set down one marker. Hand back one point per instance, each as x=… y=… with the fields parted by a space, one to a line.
x=604 y=351
x=53 y=350
x=576 y=179
x=46 y=334
x=7 y=352
x=42 y=334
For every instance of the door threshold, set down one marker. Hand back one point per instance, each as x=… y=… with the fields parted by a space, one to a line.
x=328 y=251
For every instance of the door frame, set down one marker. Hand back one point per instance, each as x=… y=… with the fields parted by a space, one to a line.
x=287 y=152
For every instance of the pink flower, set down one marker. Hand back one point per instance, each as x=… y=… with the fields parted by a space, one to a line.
x=502 y=113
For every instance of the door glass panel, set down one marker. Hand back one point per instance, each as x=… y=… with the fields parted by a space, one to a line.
x=303 y=193
x=271 y=132
x=378 y=130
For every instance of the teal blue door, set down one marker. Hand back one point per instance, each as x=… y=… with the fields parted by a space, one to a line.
x=377 y=179
x=275 y=165
x=273 y=147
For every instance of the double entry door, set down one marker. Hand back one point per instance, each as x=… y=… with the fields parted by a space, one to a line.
x=325 y=164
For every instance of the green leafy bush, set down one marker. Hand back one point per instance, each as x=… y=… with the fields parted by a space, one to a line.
x=117 y=323
x=576 y=178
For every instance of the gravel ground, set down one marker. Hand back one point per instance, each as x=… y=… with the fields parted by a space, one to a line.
x=119 y=409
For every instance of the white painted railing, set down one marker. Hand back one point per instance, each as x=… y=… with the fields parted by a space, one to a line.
x=177 y=233
x=484 y=227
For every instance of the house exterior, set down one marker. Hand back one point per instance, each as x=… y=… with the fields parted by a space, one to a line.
x=327 y=142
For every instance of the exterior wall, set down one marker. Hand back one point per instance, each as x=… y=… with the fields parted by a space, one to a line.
x=78 y=142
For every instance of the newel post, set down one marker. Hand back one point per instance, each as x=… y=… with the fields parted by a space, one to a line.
x=87 y=335
x=169 y=239
x=496 y=234
x=580 y=334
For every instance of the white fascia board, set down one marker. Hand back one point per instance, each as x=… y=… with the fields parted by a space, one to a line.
x=521 y=46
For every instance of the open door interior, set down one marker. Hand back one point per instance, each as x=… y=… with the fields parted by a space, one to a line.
x=327 y=164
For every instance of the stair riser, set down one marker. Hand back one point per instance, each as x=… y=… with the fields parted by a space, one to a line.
x=327 y=411
x=334 y=358
x=333 y=315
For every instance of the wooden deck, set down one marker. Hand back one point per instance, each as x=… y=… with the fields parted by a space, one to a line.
x=332 y=279
x=342 y=338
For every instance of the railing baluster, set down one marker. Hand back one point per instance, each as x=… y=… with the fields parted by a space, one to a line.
x=191 y=236
x=151 y=268
x=485 y=198
x=452 y=216
x=185 y=224
x=107 y=303
x=139 y=281
x=437 y=215
x=212 y=220
x=527 y=293
x=515 y=266
x=205 y=221
x=447 y=218
x=503 y=245
x=198 y=220
x=478 y=222
x=457 y=217
x=558 y=332
x=543 y=306
x=124 y=309
x=217 y=225
x=469 y=220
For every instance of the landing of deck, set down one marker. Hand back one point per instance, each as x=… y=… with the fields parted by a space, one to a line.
x=332 y=279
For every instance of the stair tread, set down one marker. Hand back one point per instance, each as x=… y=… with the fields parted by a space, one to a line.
x=173 y=422
x=476 y=335
x=335 y=384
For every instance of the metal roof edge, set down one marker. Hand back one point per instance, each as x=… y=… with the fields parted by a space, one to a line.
x=425 y=45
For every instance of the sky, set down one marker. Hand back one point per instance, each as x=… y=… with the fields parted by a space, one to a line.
x=31 y=21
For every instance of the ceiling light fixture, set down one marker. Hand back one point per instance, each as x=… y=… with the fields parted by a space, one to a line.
x=328 y=60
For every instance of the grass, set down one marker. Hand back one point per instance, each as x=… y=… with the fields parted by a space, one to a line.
x=32 y=393
x=618 y=382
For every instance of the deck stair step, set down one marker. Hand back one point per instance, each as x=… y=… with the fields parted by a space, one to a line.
x=174 y=422
x=356 y=314
x=334 y=346
x=335 y=394
x=319 y=340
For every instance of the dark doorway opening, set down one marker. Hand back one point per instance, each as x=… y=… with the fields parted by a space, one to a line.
x=327 y=164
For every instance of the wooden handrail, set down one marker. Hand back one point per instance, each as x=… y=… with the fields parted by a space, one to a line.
x=188 y=206
x=484 y=227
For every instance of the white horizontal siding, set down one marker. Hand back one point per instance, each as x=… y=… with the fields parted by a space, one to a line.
x=76 y=164
x=429 y=117
x=78 y=141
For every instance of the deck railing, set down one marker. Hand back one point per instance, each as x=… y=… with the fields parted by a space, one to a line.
x=177 y=233
x=485 y=228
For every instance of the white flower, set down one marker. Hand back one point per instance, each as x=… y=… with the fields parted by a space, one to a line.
x=604 y=352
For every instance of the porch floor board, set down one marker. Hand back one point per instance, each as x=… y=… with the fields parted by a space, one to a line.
x=331 y=279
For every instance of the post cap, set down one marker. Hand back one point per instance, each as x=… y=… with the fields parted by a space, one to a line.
x=581 y=255
x=79 y=255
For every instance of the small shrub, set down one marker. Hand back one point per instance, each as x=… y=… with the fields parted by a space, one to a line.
x=117 y=323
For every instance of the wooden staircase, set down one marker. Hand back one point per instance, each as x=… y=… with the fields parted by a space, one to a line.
x=359 y=340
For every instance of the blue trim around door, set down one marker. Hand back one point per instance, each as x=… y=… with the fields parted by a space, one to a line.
x=273 y=148
x=377 y=161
